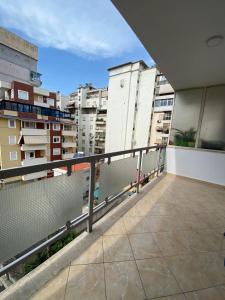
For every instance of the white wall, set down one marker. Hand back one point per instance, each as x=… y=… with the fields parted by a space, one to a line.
x=205 y=165
x=145 y=99
x=128 y=85
x=120 y=108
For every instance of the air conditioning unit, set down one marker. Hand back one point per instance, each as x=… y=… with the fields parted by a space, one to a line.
x=159 y=121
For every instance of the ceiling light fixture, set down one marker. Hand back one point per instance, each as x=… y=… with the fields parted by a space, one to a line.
x=214 y=40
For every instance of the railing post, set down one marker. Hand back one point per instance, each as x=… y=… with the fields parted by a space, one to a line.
x=139 y=171
x=91 y=197
x=158 y=165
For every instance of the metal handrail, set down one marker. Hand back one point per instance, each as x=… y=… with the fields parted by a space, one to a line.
x=7 y=173
x=23 y=170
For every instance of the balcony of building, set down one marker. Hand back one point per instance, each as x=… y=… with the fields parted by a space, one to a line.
x=68 y=132
x=67 y=155
x=101 y=121
x=33 y=161
x=166 y=241
x=33 y=131
x=68 y=144
x=15 y=107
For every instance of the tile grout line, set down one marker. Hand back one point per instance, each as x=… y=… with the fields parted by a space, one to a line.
x=137 y=267
x=64 y=297
x=103 y=257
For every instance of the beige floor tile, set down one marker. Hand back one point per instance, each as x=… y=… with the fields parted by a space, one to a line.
x=188 y=242
x=214 y=293
x=86 y=282
x=144 y=246
x=123 y=281
x=117 y=228
x=116 y=248
x=174 y=297
x=171 y=242
x=212 y=220
x=136 y=225
x=90 y=254
x=163 y=223
x=54 y=289
x=157 y=279
x=198 y=271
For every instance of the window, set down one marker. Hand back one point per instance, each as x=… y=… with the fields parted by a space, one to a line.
x=51 y=101
x=29 y=154
x=164 y=140
x=83 y=142
x=163 y=102
x=56 y=139
x=13 y=155
x=56 y=151
x=170 y=102
x=47 y=126
x=56 y=127
x=167 y=115
x=23 y=95
x=12 y=139
x=11 y=123
x=186 y=117
x=27 y=124
x=91 y=127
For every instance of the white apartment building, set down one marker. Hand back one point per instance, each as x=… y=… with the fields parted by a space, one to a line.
x=139 y=107
x=90 y=108
x=130 y=98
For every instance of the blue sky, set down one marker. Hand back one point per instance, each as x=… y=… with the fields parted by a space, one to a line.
x=78 y=40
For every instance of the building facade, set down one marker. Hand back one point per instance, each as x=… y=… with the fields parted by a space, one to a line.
x=33 y=130
x=131 y=94
x=161 y=111
x=18 y=59
x=89 y=105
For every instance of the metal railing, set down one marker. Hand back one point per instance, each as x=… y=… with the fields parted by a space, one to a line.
x=92 y=211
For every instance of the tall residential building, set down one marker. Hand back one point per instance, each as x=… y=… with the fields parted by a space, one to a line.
x=161 y=111
x=32 y=129
x=90 y=108
x=131 y=94
x=18 y=59
x=139 y=107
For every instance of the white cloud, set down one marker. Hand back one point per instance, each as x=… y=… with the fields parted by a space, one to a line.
x=84 y=27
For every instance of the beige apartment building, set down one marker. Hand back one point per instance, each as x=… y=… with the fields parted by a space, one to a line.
x=32 y=129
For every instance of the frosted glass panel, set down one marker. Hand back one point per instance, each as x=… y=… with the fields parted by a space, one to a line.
x=150 y=161
x=212 y=134
x=116 y=176
x=29 y=212
x=185 y=117
x=162 y=157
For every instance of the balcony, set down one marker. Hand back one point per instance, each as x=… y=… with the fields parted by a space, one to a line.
x=165 y=89
x=29 y=108
x=26 y=147
x=166 y=241
x=68 y=144
x=33 y=161
x=68 y=132
x=67 y=155
x=33 y=131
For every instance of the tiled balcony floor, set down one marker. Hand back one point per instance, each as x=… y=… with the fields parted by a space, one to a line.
x=167 y=243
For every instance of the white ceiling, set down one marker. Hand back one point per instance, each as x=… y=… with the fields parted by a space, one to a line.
x=174 y=32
